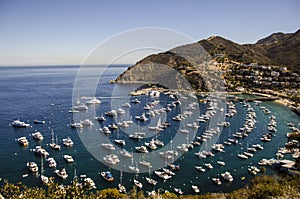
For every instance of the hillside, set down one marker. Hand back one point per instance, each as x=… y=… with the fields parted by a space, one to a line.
x=278 y=49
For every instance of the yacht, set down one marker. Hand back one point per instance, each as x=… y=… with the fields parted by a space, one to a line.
x=141 y=117
x=158 y=142
x=39 y=121
x=199 y=168
x=123 y=124
x=184 y=131
x=76 y=125
x=242 y=156
x=151 y=145
x=32 y=166
x=183 y=147
x=113 y=126
x=208 y=165
x=108 y=146
x=120 y=141
x=40 y=151
x=51 y=162
x=169 y=154
x=101 y=118
x=23 y=141
x=145 y=163
x=134 y=169
x=217 y=181
x=142 y=149
x=121 y=111
x=221 y=163
x=138 y=183
x=258 y=146
x=111 y=159
x=61 y=173
x=93 y=101
x=135 y=101
x=122 y=188
x=168 y=171
x=137 y=135
x=151 y=181
x=69 y=158
x=87 y=122
x=107 y=176
x=163 y=175
x=80 y=107
x=68 y=142
x=195 y=188
x=111 y=113
x=248 y=154
x=193 y=125
x=18 y=123
x=105 y=130
x=54 y=145
x=73 y=111
x=126 y=105
x=179 y=191
x=37 y=135
x=89 y=183
x=227 y=176
x=126 y=153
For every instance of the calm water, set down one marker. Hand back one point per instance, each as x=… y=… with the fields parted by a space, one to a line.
x=28 y=92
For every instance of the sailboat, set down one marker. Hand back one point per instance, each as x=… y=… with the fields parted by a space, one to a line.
x=54 y=145
x=150 y=180
x=122 y=188
x=44 y=178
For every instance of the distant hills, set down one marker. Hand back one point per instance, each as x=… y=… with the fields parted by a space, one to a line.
x=278 y=49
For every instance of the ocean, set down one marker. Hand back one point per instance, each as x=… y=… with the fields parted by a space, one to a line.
x=46 y=93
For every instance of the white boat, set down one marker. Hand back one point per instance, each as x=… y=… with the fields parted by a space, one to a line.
x=195 y=188
x=163 y=175
x=32 y=166
x=111 y=159
x=134 y=169
x=126 y=153
x=184 y=131
x=217 y=181
x=40 y=151
x=179 y=191
x=86 y=122
x=69 y=158
x=113 y=126
x=18 y=123
x=105 y=130
x=39 y=121
x=151 y=145
x=145 y=163
x=221 y=163
x=101 y=118
x=111 y=113
x=93 y=101
x=227 y=176
x=73 y=111
x=61 y=173
x=158 y=142
x=54 y=145
x=121 y=111
x=51 y=162
x=138 y=183
x=23 y=141
x=242 y=156
x=169 y=154
x=44 y=178
x=108 y=146
x=136 y=101
x=126 y=105
x=193 y=125
x=141 y=149
x=137 y=135
x=248 y=154
x=123 y=124
x=183 y=147
x=208 y=165
x=68 y=142
x=168 y=171
x=199 y=168
x=120 y=141
x=76 y=125
x=80 y=107
x=141 y=117
x=151 y=181
x=89 y=183
x=37 y=135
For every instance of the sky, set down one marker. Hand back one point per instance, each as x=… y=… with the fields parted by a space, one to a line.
x=65 y=32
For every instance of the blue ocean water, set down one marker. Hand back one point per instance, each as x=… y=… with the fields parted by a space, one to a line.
x=29 y=93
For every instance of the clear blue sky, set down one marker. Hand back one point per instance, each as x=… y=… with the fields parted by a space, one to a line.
x=37 y=32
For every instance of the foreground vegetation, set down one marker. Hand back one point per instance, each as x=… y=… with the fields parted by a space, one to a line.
x=259 y=188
